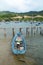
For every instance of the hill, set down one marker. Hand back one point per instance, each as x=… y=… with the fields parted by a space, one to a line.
x=7 y=15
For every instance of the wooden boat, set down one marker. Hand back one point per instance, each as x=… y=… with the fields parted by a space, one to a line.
x=18 y=44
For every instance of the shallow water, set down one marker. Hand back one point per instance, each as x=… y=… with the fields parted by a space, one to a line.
x=7 y=58
x=34 y=49
x=33 y=55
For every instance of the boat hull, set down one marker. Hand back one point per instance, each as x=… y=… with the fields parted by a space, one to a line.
x=16 y=51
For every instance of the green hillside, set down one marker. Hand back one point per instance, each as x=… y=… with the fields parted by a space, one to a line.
x=7 y=15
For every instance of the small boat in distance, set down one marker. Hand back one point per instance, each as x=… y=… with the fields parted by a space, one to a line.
x=18 y=44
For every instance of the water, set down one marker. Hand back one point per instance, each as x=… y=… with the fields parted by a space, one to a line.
x=34 y=44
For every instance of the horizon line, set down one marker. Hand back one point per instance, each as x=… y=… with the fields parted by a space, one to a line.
x=20 y=12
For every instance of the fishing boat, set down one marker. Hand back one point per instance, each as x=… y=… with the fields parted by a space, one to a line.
x=18 y=44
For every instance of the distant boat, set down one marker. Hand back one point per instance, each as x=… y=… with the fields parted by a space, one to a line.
x=18 y=44
x=38 y=23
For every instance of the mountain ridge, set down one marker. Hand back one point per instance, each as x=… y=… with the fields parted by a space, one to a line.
x=30 y=13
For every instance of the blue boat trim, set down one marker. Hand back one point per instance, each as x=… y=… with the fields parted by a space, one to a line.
x=16 y=51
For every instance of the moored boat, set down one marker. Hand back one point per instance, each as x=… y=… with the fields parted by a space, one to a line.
x=18 y=44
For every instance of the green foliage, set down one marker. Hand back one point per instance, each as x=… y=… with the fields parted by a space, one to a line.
x=7 y=16
x=38 y=19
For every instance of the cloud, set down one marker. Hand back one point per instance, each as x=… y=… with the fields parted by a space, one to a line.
x=21 y=5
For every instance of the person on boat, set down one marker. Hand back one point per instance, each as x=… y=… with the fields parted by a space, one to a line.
x=19 y=42
x=18 y=45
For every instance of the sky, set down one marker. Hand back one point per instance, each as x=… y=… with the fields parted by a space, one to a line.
x=21 y=5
